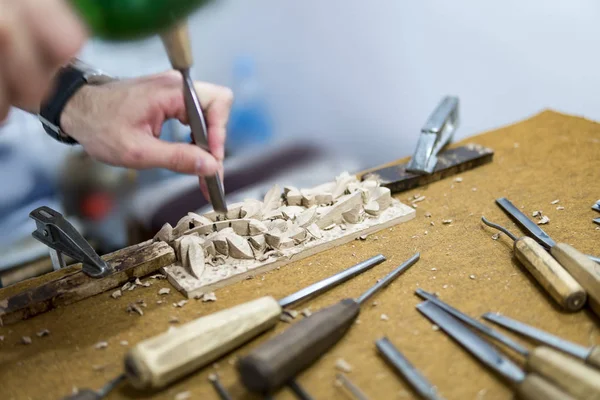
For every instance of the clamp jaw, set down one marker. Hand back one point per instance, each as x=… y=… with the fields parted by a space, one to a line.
x=63 y=239
x=435 y=135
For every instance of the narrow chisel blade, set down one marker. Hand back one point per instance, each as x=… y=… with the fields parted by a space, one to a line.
x=528 y=225
x=538 y=335
x=481 y=349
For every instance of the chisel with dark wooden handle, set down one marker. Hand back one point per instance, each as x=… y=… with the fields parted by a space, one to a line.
x=275 y=362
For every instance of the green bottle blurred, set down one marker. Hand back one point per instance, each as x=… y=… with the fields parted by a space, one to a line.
x=133 y=19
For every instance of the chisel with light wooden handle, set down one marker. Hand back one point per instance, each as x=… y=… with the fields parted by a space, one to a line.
x=158 y=361
x=559 y=284
x=567 y=373
x=590 y=356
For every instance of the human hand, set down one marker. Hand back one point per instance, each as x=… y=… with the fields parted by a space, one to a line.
x=119 y=123
x=36 y=38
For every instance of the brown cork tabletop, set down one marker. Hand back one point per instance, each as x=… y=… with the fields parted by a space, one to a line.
x=550 y=156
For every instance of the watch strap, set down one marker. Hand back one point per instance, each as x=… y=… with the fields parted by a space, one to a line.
x=68 y=81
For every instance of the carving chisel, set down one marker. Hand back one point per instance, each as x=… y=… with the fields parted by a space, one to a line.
x=177 y=44
x=396 y=359
x=570 y=375
x=351 y=387
x=158 y=361
x=534 y=230
x=527 y=387
x=275 y=362
x=561 y=286
x=591 y=355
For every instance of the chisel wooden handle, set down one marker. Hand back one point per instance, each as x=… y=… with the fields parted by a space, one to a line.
x=533 y=387
x=276 y=361
x=177 y=44
x=584 y=270
x=165 y=358
x=550 y=274
x=569 y=374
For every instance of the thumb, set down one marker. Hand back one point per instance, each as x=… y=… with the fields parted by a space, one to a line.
x=179 y=157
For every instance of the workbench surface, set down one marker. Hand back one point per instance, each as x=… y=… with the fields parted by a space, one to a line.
x=548 y=157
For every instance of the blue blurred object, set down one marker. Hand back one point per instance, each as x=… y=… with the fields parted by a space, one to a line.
x=250 y=123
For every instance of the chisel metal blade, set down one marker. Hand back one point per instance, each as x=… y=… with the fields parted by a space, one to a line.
x=528 y=225
x=477 y=346
x=538 y=335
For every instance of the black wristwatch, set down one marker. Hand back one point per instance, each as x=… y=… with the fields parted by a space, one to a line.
x=68 y=81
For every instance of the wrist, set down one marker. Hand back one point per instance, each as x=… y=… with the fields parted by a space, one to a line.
x=75 y=109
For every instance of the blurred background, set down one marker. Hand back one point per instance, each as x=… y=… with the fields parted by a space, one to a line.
x=321 y=87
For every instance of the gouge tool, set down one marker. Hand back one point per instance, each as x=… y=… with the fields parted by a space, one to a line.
x=435 y=135
x=561 y=286
x=177 y=44
x=570 y=375
x=527 y=386
x=275 y=362
x=63 y=239
x=396 y=359
x=219 y=388
x=158 y=361
x=590 y=355
x=531 y=227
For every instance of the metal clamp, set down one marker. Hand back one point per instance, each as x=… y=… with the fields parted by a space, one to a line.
x=435 y=135
x=63 y=239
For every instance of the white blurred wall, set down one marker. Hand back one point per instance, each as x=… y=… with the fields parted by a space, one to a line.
x=364 y=75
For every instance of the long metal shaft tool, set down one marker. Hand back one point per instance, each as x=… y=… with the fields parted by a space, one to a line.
x=219 y=388
x=527 y=387
x=200 y=342
x=396 y=359
x=177 y=44
x=531 y=227
x=591 y=355
x=565 y=372
x=275 y=362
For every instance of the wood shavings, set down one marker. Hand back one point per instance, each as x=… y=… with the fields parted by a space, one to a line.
x=536 y=214
x=374 y=304
x=432 y=223
x=164 y=291
x=474 y=189
x=134 y=308
x=496 y=236
x=343 y=365
x=418 y=199
x=159 y=301
x=560 y=208
x=131 y=287
x=101 y=345
x=180 y=304
x=384 y=317
x=158 y=276
x=173 y=320
x=544 y=220
x=183 y=395
x=124 y=343
x=554 y=201
x=206 y=297
x=1 y=338
x=458 y=179
x=43 y=332
x=472 y=277
x=363 y=237
x=427 y=215
x=126 y=286
x=447 y=221
x=306 y=312
x=99 y=368
x=138 y=282
x=116 y=294
x=142 y=303
x=25 y=340
x=434 y=269
x=435 y=328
